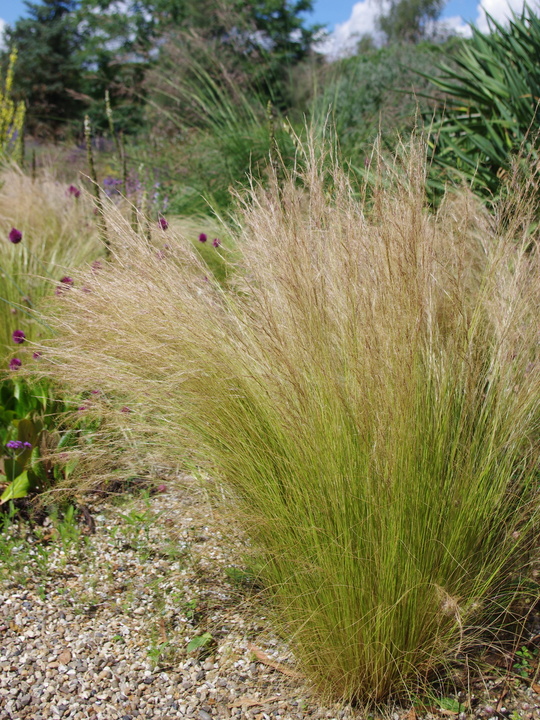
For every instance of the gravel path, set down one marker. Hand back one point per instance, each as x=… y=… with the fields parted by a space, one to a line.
x=98 y=625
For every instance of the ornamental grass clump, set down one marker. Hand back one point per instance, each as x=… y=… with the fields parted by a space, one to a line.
x=45 y=230
x=369 y=390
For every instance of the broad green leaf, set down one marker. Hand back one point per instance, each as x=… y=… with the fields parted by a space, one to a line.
x=19 y=488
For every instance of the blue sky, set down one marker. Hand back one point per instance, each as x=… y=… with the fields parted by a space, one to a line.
x=349 y=19
x=328 y=12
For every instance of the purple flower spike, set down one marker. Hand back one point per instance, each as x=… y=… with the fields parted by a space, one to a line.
x=15 y=236
x=125 y=409
x=66 y=280
x=73 y=190
x=14 y=364
x=216 y=243
x=27 y=444
x=14 y=445
x=18 y=337
x=36 y=355
x=163 y=223
x=82 y=408
x=203 y=237
x=96 y=265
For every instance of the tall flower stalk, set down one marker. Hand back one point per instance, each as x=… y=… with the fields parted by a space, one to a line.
x=101 y=222
x=11 y=116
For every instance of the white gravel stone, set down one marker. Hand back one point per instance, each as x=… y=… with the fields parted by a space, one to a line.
x=100 y=631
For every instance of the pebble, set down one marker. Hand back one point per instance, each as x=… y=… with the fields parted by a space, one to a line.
x=81 y=639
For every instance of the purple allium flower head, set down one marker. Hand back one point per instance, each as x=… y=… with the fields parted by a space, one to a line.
x=125 y=409
x=36 y=355
x=73 y=190
x=161 y=488
x=82 y=408
x=15 y=236
x=66 y=282
x=14 y=445
x=95 y=392
x=96 y=265
x=18 y=337
x=14 y=364
x=216 y=243
x=163 y=223
x=203 y=237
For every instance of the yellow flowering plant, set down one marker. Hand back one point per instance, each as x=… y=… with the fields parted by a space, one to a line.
x=11 y=115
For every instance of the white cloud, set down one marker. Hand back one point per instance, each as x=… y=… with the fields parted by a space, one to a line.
x=454 y=25
x=2 y=28
x=346 y=35
x=362 y=22
x=500 y=10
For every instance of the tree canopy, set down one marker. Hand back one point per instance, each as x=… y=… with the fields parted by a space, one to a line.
x=71 y=51
x=48 y=73
x=410 y=20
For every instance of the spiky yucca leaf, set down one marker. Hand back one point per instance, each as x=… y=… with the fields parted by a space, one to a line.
x=492 y=108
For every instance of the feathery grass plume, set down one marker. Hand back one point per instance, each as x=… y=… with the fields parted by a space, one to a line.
x=53 y=234
x=370 y=392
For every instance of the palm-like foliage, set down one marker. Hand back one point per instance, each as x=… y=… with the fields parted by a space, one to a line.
x=492 y=110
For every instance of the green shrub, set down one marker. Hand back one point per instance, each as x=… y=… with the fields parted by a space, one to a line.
x=369 y=391
x=30 y=419
x=375 y=93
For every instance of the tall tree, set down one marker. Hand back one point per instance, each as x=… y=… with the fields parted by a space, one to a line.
x=71 y=51
x=409 y=20
x=48 y=73
x=132 y=29
x=134 y=25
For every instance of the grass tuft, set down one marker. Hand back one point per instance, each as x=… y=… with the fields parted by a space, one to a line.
x=367 y=385
x=57 y=234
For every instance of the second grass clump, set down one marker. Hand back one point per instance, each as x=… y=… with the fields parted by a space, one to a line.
x=368 y=388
